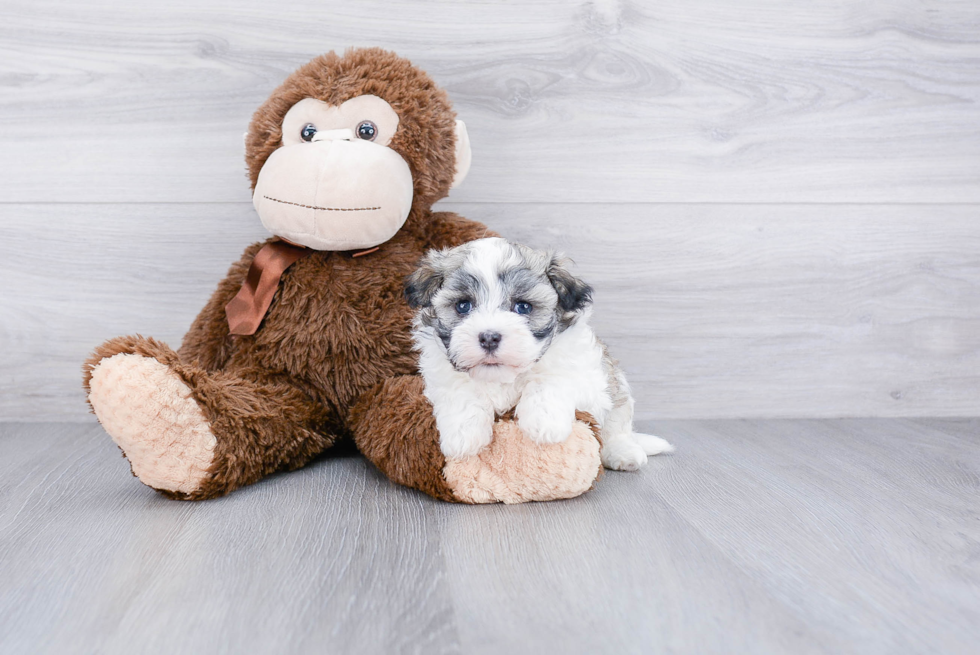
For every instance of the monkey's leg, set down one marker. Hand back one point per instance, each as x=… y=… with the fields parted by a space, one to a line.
x=394 y=427
x=193 y=434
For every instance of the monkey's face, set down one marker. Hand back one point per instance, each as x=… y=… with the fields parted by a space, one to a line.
x=344 y=164
x=335 y=184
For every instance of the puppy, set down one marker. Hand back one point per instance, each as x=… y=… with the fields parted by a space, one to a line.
x=501 y=326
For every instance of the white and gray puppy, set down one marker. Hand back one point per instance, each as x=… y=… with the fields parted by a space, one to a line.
x=501 y=326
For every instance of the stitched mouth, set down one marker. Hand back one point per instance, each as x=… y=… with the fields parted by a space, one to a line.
x=326 y=209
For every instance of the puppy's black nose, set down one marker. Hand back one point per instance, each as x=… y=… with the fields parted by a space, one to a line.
x=489 y=341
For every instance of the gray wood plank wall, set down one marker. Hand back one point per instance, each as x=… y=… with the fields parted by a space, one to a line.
x=778 y=203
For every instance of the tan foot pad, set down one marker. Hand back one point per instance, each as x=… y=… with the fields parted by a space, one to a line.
x=514 y=469
x=149 y=412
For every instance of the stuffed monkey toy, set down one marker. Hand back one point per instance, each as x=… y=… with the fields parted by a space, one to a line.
x=307 y=339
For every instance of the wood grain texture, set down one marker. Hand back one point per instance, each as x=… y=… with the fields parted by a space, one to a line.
x=843 y=536
x=601 y=101
x=91 y=562
x=714 y=310
x=835 y=516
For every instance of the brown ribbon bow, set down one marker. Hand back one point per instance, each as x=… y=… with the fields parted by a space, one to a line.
x=249 y=306
x=247 y=309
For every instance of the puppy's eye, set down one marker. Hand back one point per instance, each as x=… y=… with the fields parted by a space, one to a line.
x=367 y=130
x=464 y=307
x=308 y=131
x=523 y=307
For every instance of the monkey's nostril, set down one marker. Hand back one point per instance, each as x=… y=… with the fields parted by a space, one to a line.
x=489 y=341
x=345 y=134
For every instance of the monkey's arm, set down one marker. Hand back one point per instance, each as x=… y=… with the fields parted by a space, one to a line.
x=207 y=342
x=449 y=229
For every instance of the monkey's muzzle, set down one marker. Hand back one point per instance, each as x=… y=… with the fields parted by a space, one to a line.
x=335 y=193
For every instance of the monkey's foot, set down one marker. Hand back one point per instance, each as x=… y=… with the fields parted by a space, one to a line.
x=151 y=415
x=516 y=469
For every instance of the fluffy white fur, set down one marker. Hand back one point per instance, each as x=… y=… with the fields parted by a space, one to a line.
x=543 y=379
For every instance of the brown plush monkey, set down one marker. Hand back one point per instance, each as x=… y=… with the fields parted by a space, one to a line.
x=307 y=339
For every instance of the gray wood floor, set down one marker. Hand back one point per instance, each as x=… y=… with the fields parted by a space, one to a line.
x=775 y=536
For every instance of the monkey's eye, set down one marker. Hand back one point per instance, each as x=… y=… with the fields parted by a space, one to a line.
x=367 y=130
x=308 y=131
x=523 y=307
x=464 y=307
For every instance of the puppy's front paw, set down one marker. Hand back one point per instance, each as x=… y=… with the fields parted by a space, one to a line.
x=623 y=455
x=460 y=441
x=545 y=423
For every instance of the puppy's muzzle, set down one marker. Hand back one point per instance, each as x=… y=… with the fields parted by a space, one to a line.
x=490 y=341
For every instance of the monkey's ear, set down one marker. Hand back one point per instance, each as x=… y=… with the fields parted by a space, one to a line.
x=573 y=294
x=422 y=285
x=464 y=156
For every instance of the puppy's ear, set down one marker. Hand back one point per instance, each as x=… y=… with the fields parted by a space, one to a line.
x=573 y=294
x=422 y=285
